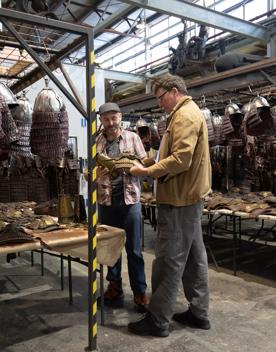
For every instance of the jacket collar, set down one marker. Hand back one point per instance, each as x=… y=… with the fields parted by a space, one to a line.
x=184 y=100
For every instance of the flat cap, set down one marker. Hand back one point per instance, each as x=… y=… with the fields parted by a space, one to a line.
x=107 y=107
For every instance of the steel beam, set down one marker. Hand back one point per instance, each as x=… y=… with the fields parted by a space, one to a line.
x=203 y=15
x=122 y=76
x=236 y=78
x=260 y=65
x=42 y=21
x=53 y=64
x=109 y=21
x=47 y=70
x=37 y=48
x=71 y=85
x=240 y=81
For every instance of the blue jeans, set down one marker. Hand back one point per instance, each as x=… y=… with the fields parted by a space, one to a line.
x=129 y=218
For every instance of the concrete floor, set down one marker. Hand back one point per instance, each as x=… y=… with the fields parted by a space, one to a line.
x=35 y=314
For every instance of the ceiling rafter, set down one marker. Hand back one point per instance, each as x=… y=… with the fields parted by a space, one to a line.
x=203 y=15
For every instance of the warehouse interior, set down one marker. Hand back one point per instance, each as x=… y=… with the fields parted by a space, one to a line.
x=60 y=61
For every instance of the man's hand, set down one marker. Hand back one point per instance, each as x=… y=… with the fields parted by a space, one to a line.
x=102 y=171
x=139 y=170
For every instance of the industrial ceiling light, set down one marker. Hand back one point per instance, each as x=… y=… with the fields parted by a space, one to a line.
x=141 y=24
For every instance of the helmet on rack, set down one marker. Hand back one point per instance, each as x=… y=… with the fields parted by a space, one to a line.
x=48 y=100
x=260 y=102
x=8 y=95
x=232 y=109
x=141 y=123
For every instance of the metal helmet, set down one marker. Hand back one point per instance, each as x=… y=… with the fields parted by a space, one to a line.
x=232 y=109
x=260 y=102
x=48 y=100
x=141 y=123
x=8 y=95
x=246 y=107
x=153 y=125
x=207 y=113
x=23 y=112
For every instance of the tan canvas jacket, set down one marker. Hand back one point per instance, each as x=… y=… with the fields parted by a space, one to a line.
x=184 y=169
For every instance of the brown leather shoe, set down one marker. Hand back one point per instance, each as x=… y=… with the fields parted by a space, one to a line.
x=141 y=302
x=114 y=295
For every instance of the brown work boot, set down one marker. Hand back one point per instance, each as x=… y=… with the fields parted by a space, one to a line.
x=141 y=302
x=114 y=295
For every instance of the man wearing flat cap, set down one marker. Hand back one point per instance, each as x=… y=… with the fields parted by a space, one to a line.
x=119 y=205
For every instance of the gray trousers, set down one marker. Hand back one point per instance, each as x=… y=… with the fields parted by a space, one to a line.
x=180 y=256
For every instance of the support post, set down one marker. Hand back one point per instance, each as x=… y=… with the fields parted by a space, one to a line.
x=92 y=195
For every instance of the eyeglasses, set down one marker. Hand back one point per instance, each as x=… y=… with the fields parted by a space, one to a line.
x=161 y=96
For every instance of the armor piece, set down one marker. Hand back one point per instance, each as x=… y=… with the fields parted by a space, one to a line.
x=50 y=126
x=260 y=102
x=13 y=233
x=246 y=107
x=217 y=123
x=8 y=95
x=141 y=123
x=117 y=165
x=48 y=100
x=22 y=115
x=208 y=118
x=8 y=130
x=232 y=109
x=24 y=110
x=162 y=126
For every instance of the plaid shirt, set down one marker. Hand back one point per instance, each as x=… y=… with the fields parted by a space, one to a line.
x=129 y=143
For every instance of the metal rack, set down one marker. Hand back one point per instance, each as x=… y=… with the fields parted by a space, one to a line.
x=47 y=56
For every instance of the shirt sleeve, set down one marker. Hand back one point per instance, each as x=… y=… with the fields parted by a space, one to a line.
x=183 y=137
x=139 y=148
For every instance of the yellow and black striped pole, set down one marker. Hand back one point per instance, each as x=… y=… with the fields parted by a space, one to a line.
x=92 y=195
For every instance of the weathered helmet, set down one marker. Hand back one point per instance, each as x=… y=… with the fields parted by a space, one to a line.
x=246 y=107
x=23 y=112
x=207 y=113
x=141 y=123
x=232 y=109
x=260 y=102
x=9 y=97
x=48 y=100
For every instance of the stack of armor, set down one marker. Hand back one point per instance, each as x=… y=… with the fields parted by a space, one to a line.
x=162 y=126
x=233 y=130
x=22 y=115
x=208 y=118
x=217 y=125
x=8 y=129
x=258 y=118
x=50 y=127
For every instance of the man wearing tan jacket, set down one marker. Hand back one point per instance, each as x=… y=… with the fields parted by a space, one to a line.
x=183 y=175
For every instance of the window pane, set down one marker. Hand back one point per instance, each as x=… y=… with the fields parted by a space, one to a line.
x=255 y=8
